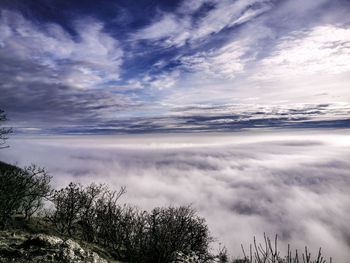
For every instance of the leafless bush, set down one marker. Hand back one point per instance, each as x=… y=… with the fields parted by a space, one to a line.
x=91 y=208
x=155 y=236
x=177 y=229
x=269 y=252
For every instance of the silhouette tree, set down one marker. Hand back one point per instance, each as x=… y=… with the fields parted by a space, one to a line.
x=3 y=131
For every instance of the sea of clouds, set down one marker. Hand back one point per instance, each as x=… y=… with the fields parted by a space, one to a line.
x=294 y=184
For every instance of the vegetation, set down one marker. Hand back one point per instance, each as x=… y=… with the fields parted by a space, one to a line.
x=268 y=252
x=134 y=235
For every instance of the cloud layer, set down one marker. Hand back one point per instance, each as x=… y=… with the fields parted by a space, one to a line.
x=292 y=184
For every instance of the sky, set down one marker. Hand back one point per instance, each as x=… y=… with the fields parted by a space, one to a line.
x=240 y=108
x=112 y=67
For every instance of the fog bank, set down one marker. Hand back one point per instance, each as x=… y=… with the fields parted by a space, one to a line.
x=291 y=184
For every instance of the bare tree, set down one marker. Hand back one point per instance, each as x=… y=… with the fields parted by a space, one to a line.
x=37 y=190
x=88 y=214
x=93 y=208
x=3 y=131
x=22 y=190
x=108 y=217
x=69 y=203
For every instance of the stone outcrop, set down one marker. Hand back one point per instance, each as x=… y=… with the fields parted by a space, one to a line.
x=44 y=248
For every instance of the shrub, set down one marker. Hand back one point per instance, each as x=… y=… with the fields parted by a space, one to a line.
x=157 y=235
x=177 y=229
x=134 y=235
x=90 y=208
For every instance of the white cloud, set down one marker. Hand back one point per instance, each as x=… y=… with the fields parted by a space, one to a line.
x=225 y=62
x=93 y=59
x=322 y=50
x=228 y=14
x=307 y=66
x=295 y=184
x=163 y=81
x=169 y=29
x=173 y=30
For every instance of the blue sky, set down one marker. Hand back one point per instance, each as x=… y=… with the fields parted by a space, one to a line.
x=104 y=67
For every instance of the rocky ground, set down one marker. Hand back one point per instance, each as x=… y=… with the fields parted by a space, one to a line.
x=44 y=248
x=27 y=248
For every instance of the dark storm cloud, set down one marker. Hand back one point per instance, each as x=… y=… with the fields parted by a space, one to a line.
x=295 y=185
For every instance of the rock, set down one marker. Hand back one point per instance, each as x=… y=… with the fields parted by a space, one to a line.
x=44 y=248
x=95 y=258
x=42 y=240
x=73 y=249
